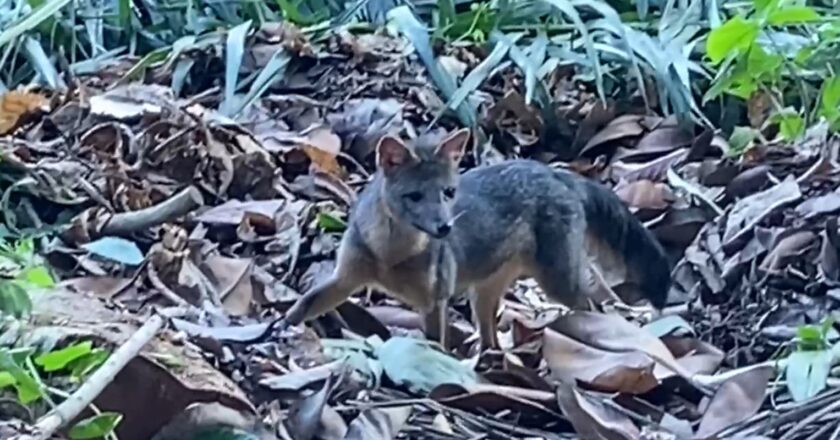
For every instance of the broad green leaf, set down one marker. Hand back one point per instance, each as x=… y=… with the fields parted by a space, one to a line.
x=330 y=223
x=97 y=426
x=33 y=19
x=807 y=372
x=790 y=15
x=419 y=366
x=791 y=124
x=28 y=389
x=84 y=365
x=234 y=49
x=59 y=359
x=735 y=35
x=760 y=63
x=38 y=276
x=741 y=139
x=117 y=249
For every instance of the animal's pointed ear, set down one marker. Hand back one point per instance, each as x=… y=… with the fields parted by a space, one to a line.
x=392 y=153
x=452 y=148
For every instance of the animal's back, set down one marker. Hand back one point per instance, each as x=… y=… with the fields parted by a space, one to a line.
x=502 y=208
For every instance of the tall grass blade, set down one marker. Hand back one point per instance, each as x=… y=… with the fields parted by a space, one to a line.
x=234 y=48
x=408 y=24
x=568 y=9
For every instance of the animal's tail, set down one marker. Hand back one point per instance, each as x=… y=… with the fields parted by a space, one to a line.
x=610 y=221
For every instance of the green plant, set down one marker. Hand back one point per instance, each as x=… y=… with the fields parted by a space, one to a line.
x=809 y=364
x=21 y=270
x=22 y=370
x=758 y=56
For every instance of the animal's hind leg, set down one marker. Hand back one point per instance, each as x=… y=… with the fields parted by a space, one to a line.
x=561 y=264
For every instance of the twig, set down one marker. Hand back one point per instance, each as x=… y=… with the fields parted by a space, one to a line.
x=810 y=419
x=176 y=206
x=96 y=383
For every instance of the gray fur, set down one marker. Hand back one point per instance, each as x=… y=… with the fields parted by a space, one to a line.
x=516 y=219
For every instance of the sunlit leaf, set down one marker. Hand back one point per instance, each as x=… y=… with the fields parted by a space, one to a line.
x=735 y=34
x=793 y=15
x=28 y=389
x=59 y=359
x=97 y=426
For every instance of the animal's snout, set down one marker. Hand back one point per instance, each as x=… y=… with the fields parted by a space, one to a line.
x=444 y=229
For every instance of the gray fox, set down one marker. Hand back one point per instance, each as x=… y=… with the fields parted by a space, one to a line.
x=423 y=233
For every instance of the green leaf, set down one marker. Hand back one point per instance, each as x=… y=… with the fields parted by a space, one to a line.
x=830 y=98
x=330 y=223
x=790 y=15
x=6 y=379
x=735 y=35
x=419 y=366
x=86 y=364
x=741 y=139
x=59 y=359
x=97 y=426
x=807 y=372
x=234 y=49
x=791 y=124
x=117 y=249
x=38 y=276
x=760 y=63
x=28 y=389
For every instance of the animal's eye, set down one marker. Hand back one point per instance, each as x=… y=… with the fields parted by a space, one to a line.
x=414 y=196
x=449 y=192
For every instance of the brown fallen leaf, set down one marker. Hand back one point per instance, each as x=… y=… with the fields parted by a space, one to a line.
x=787 y=250
x=628 y=371
x=593 y=419
x=613 y=333
x=737 y=399
x=17 y=106
x=749 y=211
x=323 y=146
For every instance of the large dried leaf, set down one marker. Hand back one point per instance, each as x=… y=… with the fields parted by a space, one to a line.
x=749 y=211
x=594 y=420
x=570 y=360
x=736 y=400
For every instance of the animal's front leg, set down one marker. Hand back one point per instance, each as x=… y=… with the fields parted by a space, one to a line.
x=446 y=272
x=436 y=323
x=322 y=298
